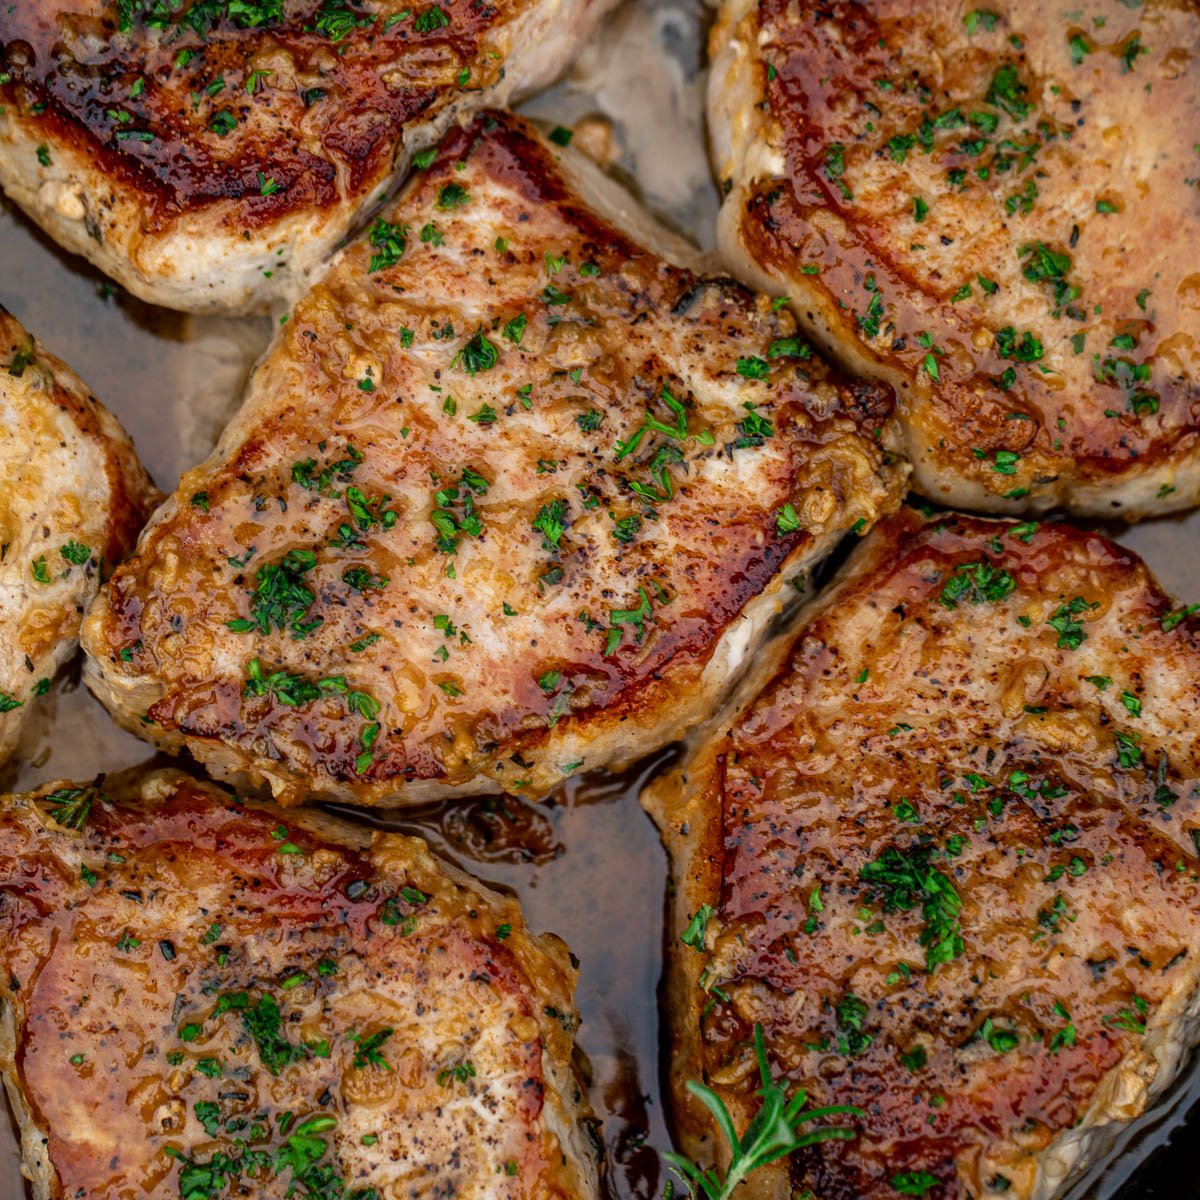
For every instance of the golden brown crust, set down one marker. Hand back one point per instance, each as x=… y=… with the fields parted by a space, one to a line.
x=210 y=155
x=73 y=497
x=194 y=986
x=539 y=504
x=1000 y=712
x=994 y=208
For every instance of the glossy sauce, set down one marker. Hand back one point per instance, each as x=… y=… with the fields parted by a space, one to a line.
x=586 y=865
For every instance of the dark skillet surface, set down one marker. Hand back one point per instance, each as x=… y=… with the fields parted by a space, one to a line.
x=588 y=865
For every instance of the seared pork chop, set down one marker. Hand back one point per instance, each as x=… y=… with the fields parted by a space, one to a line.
x=995 y=207
x=210 y=154
x=205 y=998
x=72 y=499
x=512 y=495
x=947 y=858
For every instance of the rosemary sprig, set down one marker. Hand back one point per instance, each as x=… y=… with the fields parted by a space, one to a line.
x=71 y=807
x=773 y=1131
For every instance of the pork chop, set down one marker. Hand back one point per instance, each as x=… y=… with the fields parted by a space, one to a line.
x=947 y=859
x=513 y=494
x=210 y=154
x=995 y=207
x=72 y=499
x=203 y=998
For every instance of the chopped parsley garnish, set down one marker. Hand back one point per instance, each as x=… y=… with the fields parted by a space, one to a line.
x=1044 y=265
x=281 y=601
x=625 y=529
x=850 y=1013
x=619 y=617
x=1025 y=348
x=452 y=195
x=753 y=368
x=835 y=168
x=977 y=583
x=1065 y=1037
x=786 y=520
x=980 y=18
x=693 y=935
x=264 y=1023
x=550 y=522
x=1070 y=632
x=789 y=347
x=429 y=20
x=359 y=579
x=368 y=1051
x=223 y=123
x=1000 y=1040
x=1132 y=1020
x=1006 y=91
x=1172 y=619
x=459 y=1073
x=902 y=878
x=914 y=1183
x=479 y=354
x=753 y=427
x=455 y=514
x=389 y=242
x=514 y=330
x=1129 y=753
x=1130 y=52
x=336 y=20
x=870 y=321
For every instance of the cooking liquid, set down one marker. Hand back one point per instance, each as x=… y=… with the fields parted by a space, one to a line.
x=586 y=864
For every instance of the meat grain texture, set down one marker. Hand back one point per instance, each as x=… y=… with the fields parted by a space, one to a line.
x=997 y=209
x=72 y=499
x=514 y=494
x=201 y=996
x=947 y=859
x=210 y=157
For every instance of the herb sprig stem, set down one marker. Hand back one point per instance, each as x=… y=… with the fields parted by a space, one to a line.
x=773 y=1132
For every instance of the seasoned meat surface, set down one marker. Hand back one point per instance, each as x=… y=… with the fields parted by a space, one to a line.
x=947 y=858
x=72 y=499
x=997 y=209
x=211 y=154
x=205 y=998
x=512 y=495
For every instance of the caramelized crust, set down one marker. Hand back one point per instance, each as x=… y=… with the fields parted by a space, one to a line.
x=997 y=209
x=511 y=495
x=950 y=854
x=72 y=499
x=202 y=997
x=210 y=154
